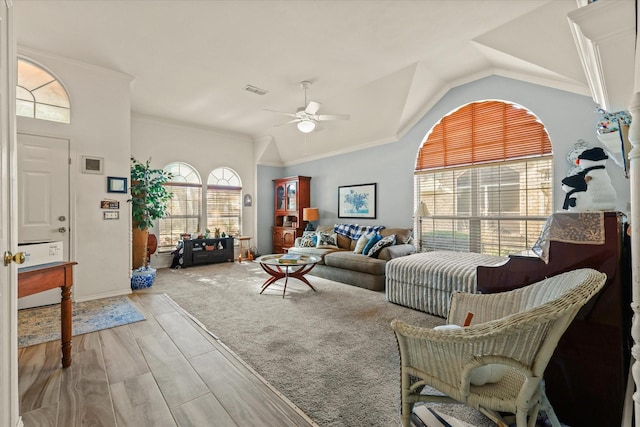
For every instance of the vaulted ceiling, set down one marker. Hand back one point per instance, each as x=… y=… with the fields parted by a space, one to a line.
x=385 y=63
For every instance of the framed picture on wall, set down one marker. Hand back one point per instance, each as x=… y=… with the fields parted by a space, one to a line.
x=357 y=201
x=116 y=185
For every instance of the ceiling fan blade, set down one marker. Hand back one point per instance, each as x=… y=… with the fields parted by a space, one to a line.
x=312 y=107
x=287 y=123
x=282 y=112
x=325 y=117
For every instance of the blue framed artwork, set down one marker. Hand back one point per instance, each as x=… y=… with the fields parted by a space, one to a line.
x=357 y=201
x=116 y=184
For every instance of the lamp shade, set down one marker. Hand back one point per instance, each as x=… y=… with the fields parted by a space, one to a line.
x=306 y=126
x=422 y=210
x=310 y=214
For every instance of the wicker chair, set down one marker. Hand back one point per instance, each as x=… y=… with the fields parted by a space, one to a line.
x=519 y=328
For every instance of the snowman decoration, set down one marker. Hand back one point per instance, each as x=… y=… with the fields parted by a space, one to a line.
x=600 y=191
x=574 y=184
x=577 y=197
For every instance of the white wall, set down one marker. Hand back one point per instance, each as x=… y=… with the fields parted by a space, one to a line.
x=100 y=127
x=202 y=148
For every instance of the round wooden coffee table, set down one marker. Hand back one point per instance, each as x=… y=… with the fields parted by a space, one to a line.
x=278 y=269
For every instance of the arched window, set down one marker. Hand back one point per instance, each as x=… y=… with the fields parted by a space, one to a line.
x=224 y=201
x=185 y=207
x=39 y=95
x=484 y=174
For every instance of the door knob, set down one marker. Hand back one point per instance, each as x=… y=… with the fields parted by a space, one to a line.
x=18 y=258
x=62 y=230
x=62 y=218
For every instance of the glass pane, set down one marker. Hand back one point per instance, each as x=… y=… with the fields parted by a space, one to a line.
x=25 y=108
x=280 y=197
x=23 y=94
x=291 y=196
x=53 y=94
x=31 y=76
x=484 y=198
x=54 y=114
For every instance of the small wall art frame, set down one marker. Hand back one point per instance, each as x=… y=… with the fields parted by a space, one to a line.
x=357 y=201
x=116 y=184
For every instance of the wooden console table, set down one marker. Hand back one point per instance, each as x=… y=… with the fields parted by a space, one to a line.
x=39 y=278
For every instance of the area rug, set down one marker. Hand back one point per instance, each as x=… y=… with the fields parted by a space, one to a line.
x=332 y=352
x=42 y=324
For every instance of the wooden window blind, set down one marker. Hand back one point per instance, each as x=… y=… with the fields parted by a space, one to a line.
x=482 y=132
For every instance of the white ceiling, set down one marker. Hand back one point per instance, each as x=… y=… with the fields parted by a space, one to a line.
x=383 y=62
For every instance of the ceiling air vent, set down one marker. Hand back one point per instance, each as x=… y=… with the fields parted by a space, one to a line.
x=255 y=90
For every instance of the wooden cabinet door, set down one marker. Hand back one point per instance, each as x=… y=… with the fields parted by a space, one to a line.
x=288 y=239
x=277 y=240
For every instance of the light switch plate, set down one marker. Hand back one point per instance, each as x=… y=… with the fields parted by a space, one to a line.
x=111 y=215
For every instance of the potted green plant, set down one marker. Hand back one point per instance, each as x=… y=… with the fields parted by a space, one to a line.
x=149 y=201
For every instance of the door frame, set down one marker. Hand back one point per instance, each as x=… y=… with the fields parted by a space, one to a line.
x=73 y=165
x=9 y=393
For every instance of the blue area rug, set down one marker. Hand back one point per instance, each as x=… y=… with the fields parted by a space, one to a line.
x=42 y=324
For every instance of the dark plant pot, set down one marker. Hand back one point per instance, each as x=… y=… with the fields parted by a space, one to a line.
x=142 y=278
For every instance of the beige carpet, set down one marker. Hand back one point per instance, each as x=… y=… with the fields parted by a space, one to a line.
x=332 y=352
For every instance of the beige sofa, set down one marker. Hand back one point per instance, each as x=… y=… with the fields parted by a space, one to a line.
x=341 y=264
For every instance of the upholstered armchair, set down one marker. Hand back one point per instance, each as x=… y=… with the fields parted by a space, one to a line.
x=513 y=332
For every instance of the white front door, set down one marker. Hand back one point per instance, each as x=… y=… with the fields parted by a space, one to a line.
x=43 y=200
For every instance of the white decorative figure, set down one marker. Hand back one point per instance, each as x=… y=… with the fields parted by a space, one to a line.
x=599 y=187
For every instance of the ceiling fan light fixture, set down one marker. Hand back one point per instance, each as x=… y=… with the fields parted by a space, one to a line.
x=306 y=126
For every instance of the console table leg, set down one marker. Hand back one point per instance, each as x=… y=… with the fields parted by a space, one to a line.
x=66 y=311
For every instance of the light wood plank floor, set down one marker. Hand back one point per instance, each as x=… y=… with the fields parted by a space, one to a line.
x=164 y=371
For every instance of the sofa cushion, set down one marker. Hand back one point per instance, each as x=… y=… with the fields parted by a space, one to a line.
x=381 y=244
x=355 y=262
x=372 y=241
x=360 y=244
x=309 y=239
x=313 y=252
x=344 y=242
x=327 y=241
x=403 y=235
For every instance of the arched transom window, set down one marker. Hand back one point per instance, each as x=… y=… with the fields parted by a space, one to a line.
x=40 y=95
x=484 y=176
x=224 y=201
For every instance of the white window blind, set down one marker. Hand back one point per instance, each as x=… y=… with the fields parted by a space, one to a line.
x=184 y=208
x=224 y=201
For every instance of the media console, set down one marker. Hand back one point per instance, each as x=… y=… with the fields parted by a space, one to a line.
x=207 y=251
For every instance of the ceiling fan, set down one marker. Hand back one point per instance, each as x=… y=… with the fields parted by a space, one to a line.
x=306 y=117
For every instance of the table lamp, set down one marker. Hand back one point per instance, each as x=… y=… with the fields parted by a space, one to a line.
x=309 y=215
